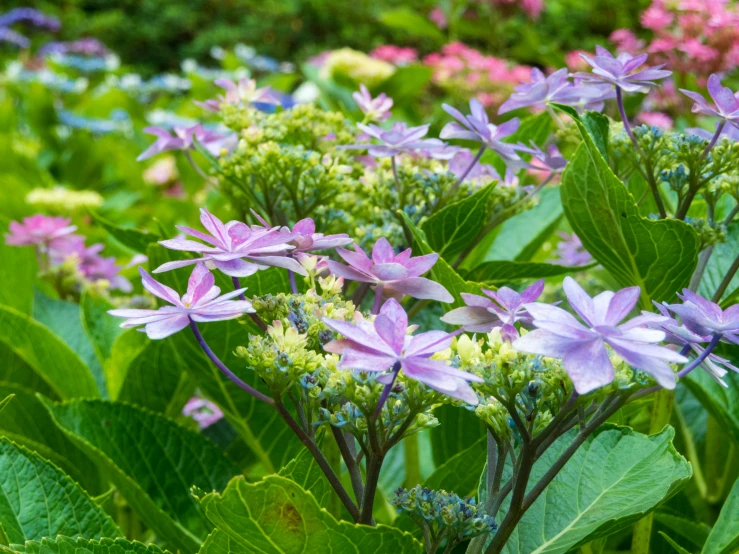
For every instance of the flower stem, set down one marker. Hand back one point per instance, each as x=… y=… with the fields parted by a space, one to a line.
x=378 y=300
x=702 y=356
x=196 y=167
x=395 y=171
x=254 y=317
x=469 y=168
x=227 y=372
x=293 y=284
x=714 y=139
x=386 y=390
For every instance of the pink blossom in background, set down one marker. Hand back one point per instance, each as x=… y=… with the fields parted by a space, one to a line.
x=39 y=230
x=533 y=8
x=626 y=41
x=396 y=55
x=438 y=17
x=203 y=411
x=658 y=119
x=574 y=61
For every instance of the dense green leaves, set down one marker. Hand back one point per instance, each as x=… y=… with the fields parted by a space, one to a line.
x=66 y=545
x=613 y=480
x=453 y=228
x=277 y=516
x=152 y=461
x=724 y=538
x=501 y=272
x=658 y=256
x=55 y=362
x=411 y=22
x=37 y=500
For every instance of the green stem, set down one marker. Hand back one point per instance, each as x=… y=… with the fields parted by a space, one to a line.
x=412 y=461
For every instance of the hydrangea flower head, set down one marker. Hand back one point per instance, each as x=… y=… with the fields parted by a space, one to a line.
x=725 y=102
x=621 y=71
x=234 y=248
x=183 y=138
x=377 y=346
x=376 y=109
x=398 y=275
x=39 y=230
x=201 y=303
x=501 y=308
x=477 y=127
x=582 y=347
x=398 y=140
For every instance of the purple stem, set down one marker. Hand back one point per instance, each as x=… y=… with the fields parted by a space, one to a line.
x=386 y=391
x=395 y=171
x=467 y=171
x=622 y=111
x=293 y=284
x=227 y=372
x=714 y=139
x=254 y=317
x=702 y=356
x=378 y=300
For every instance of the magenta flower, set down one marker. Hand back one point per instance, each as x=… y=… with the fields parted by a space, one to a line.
x=39 y=230
x=502 y=309
x=477 y=127
x=234 y=248
x=201 y=302
x=203 y=411
x=393 y=275
x=725 y=103
x=705 y=318
x=305 y=238
x=184 y=139
x=582 y=348
x=621 y=71
x=376 y=109
x=398 y=140
x=244 y=93
x=378 y=346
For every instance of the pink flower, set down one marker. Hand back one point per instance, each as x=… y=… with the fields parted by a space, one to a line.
x=396 y=55
x=656 y=17
x=378 y=346
x=626 y=41
x=438 y=17
x=39 y=230
x=234 y=248
x=657 y=119
x=695 y=49
x=184 y=139
x=201 y=302
x=205 y=412
x=307 y=240
x=395 y=275
x=376 y=109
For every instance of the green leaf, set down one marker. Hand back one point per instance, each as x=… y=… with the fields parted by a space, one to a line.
x=66 y=545
x=138 y=241
x=407 y=83
x=5 y=401
x=102 y=328
x=65 y=320
x=152 y=461
x=277 y=516
x=693 y=531
x=442 y=272
x=502 y=271
x=721 y=402
x=55 y=362
x=18 y=269
x=679 y=549
x=38 y=500
x=453 y=228
x=595 y=123
x=411 y=22
x=724 y=538
x=460 y=473
x=613 y=480
x=304 y=471
x=719 y=263
x=458 y=430
x=658 y=256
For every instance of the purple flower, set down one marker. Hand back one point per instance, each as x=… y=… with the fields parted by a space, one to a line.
x=93 y=266
x=705 y=318
x=234 y=248
x=376 y=109
x=305 y=238
x=725 y=102
x=201 y=302
x=551 y=161
x=621 y=71
x=394 y=275
x=29 y=15
x=88 y=46
x=482 y=315
x=39 y=230
x=398 y=140
x=379 y=345
x=244 y=92
x=730 y=132
x=571 y=252
x=582 y=348
x=203 y=411
x=477 y=127
x=184 y=139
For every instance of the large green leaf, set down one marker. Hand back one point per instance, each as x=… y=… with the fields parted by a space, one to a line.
x=721 y=402
x=657 y=255
x=502 y=271
x=102 y=328
x=458 y=430
x=719 y=263
x=453 y=228
x=66 y=545
x=55 y=362
x=37 y=500
x=152 y=461
x=612 y=481
x=304 y=470
x=277 y=516
x=138 y=241
x=724 y=538
x=18 y=269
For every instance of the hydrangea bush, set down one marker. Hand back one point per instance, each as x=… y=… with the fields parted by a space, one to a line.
x=360 y=332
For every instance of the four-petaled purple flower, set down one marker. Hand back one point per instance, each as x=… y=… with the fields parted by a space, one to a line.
x=393 y=275
x=40 y=230
x=201 y=302
x=725 y=102
x=621 y=71
x=234 y=248
x=502 y=309
x=184 y=139
x=245 y=92
x=378 y=346
x=477 y=127
x=582 y=348
x=398 y=140
x=705 y=318
x=376 y=109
